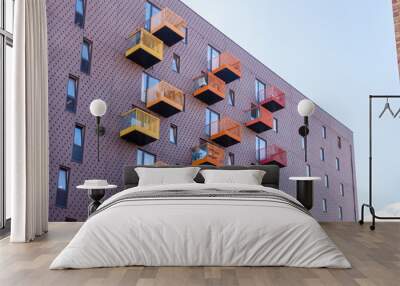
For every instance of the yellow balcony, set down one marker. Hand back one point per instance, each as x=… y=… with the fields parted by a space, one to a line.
x=139 y=127
x=207 y=154
x=225 y=132
x=259 y=119
x=209 y=88
x=168 y=27
x=144 y=49
x=165 y=99
x=227 y=67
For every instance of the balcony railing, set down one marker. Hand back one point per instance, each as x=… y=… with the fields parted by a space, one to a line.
x=207 y=154
x=226 y=67
x=168 y=27
x=274 y=155
x=209 y=88
x=225 y=132
x=275 y=99
x=259 y=119
x=139 y=127
x=144 y=49
x=165 y=99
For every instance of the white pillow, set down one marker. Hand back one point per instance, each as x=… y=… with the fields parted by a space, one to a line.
x=247 y=177
x=166 y=176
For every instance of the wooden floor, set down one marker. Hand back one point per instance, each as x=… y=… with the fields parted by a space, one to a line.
x=375 y=257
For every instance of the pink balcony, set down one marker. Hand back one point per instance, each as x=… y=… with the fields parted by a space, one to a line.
x=274 y=155
x=275 y=99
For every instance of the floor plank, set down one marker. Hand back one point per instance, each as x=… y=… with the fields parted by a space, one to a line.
x=375 y=257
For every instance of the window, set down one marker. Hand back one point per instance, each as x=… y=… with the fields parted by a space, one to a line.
x=86 y=55
x=324 y=206
x=176 y=63
x=322 y=154
x=144 y=158
x=6 y=88
x=173 y=134
x=261 y=149
x=147 y=82
x=303 y=143
x=212 y=122
x=308 y=170
x=323 y=130
x=77 y=147
x=80 y=6
x=212 y=58
x=341 y=189
x=340 y=213
x=62 y=187
x=339 y=142
x=231 y=98
x=72 y=93
x=231 y=159
x=260 y=91
x=150 y=11
x=275 y=124
x=337 y=164
x=186 y=40
x=326 y=181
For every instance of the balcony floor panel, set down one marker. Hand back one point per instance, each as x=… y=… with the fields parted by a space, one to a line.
x=168 y=35
x=164 y=109
x=143 y=58
x=138 y=138
x=258 y=126
x=272 y=162
x=272 y=106
x=208 y=96
x=224 y=140
x=226 y=74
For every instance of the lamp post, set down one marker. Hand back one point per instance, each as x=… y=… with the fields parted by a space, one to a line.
x=305 y=108
x=98 y=108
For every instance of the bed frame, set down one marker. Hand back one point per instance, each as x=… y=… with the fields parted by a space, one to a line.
x=271 y=177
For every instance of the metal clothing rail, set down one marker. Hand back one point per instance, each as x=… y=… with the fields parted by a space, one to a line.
x=370 y=204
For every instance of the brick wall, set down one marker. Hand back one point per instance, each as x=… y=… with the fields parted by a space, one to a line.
x=117 y=80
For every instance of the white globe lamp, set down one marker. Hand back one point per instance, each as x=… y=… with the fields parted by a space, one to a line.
x=98 y=108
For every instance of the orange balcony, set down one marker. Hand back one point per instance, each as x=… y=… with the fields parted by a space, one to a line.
x=225 y=132
x=275 y=99
x=275 y=155
x=207 y=154
x=209 y=88
x=165 y=99
x=260 y=119
x=168 y=27
x=144 y=49
x=228 y=68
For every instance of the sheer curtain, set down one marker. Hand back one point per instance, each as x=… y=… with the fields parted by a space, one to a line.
x=27 y=124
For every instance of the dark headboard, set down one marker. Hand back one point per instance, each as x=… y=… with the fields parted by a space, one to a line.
x=271 y=177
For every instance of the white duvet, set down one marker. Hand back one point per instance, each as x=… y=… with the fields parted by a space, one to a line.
x=200 y=231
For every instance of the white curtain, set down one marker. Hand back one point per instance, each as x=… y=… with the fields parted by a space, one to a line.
x=27 y=124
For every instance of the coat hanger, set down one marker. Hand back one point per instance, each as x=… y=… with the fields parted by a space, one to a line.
x=387 y=107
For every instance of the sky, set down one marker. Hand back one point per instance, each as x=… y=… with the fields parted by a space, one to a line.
x=336 y=53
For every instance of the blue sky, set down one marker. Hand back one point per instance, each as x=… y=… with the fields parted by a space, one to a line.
x=336 y=53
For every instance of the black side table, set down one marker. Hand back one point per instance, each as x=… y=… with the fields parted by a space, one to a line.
x=96 y=191
x=304 y=190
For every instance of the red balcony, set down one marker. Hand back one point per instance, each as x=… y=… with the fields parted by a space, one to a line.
x=227 y=67
x=275 y=155
x=209 y=88
x=275 y=99
x=168 y=27
x=225 y=132
x=207 y=154
x=259 y=119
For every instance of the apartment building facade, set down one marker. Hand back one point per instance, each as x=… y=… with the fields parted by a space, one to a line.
x=178 y=91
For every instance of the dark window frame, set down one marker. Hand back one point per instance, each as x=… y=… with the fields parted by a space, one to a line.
x=339 y=142
x=209 y=59
x=186 y=39
x=144 y=153
x=81 y=148
x=59 y=191
x=259 y=82
x=322 y=154
x=80 y=19
x=324 y=206
x=86 y=67
x=231 y=158
x=76 y=79
x=176 y=63
x=208 y=126
x=147 y=22
x=231 y=97
x=275 y=125
x=337 y=163
x=258 y=149
x=143 y=92
x=174 y=129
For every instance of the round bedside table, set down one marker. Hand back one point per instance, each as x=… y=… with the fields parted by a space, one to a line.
x=304 y=190
x=96 y=191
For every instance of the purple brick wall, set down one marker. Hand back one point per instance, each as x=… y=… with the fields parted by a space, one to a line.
x=117 y=80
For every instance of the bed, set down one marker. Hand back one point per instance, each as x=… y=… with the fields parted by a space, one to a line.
x=201 y=224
